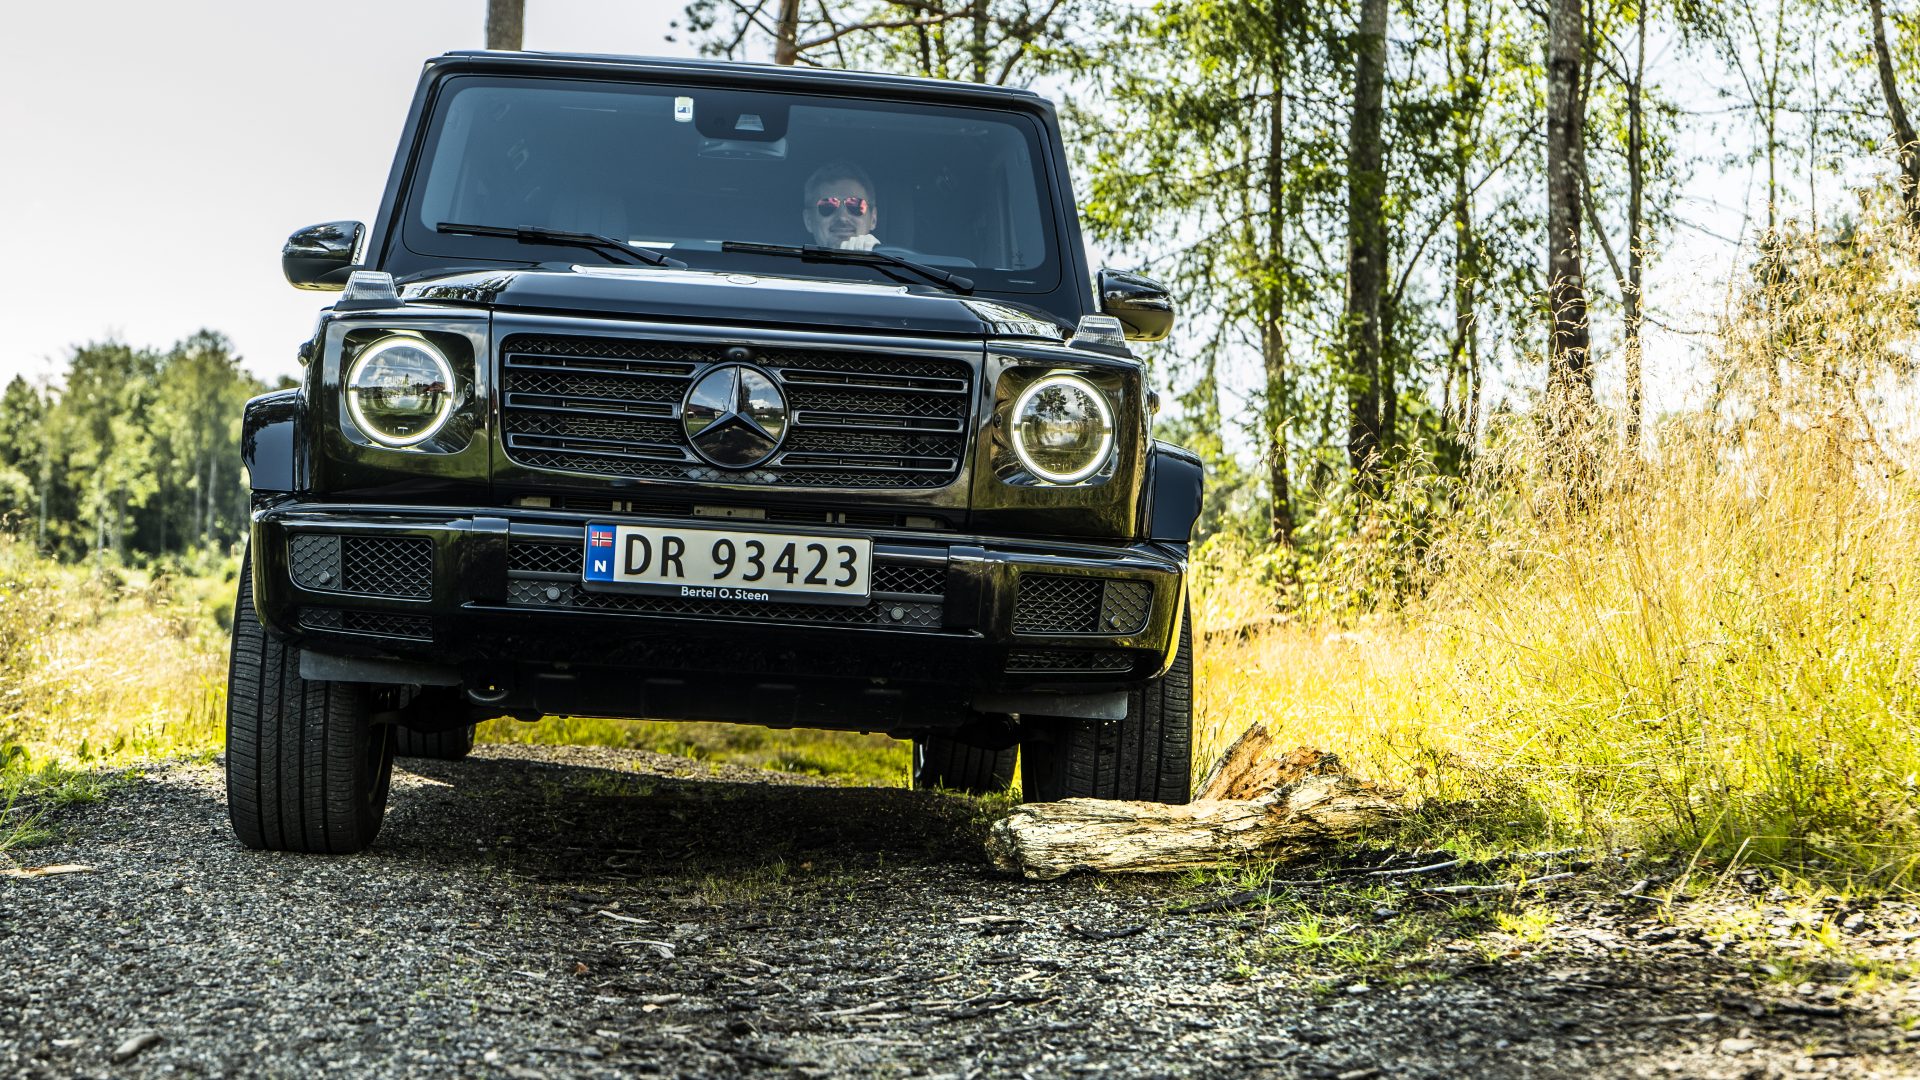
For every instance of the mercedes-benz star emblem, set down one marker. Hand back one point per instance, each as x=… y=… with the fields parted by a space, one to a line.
x=735 y=416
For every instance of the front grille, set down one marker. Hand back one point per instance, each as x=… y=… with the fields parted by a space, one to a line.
x=1065 y=660
x=1053 y=604
x=611 y=406
x=906 y=595
x=379 y=623
x=399 y=566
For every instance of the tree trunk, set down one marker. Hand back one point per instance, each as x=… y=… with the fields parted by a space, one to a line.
x=786 y=38
x=1366 y=241
x=1897 y=111
x=505 y=24
x=1273 y=339
x=1459 y=410
x=200 y=495
x=46 y=485
x=978 y=47
x=1636 y=220
x=213 y=488
x=1389 y=385
x=1569 y=374
x=1465 y=347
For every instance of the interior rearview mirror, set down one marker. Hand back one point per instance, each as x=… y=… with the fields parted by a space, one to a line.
x=321 y=256
x=1143 y=305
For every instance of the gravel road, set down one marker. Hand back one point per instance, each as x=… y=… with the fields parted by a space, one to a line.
x=536 y=912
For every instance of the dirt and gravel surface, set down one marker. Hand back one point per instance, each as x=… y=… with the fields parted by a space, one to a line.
x=539 y=912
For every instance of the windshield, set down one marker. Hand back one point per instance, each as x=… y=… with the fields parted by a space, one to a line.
x=683 y=170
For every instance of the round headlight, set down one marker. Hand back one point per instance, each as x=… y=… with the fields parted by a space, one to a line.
x=400 y=390
x=1062 y=429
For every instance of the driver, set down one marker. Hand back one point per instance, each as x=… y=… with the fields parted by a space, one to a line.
x=839 y=207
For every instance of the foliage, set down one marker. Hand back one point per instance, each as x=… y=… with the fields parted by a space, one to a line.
x=1005 y=42
x=134 y=451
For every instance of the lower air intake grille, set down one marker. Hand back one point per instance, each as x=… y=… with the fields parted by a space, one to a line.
x=378 y=623
x=387 y=566
x=1063 y=660
x=545 y=558
x=1054 y=604
x=915 y=578
x=1124 y=608
x=1057 y=605
x=399 y=566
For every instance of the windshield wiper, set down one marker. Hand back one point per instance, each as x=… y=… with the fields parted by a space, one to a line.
x=811 y=253
x=590 y=241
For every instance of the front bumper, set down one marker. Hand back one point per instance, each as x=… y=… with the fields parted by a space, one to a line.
x=493 y=598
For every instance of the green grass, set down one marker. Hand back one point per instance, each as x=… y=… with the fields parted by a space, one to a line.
x=875 y=760
x=30 y=792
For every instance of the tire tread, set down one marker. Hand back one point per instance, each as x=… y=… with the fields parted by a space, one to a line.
x=1148 y=756
x=301 y=775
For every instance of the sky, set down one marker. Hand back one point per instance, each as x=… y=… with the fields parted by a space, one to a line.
x=154 y=156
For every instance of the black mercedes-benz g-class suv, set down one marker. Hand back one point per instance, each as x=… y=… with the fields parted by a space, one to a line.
x=695 y=390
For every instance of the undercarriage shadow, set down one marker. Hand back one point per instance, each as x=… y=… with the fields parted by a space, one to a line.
x=563 y=820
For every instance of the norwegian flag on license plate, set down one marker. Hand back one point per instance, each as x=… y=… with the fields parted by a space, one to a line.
x=599 y=553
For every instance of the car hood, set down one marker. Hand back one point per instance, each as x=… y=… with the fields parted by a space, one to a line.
x=727 y=298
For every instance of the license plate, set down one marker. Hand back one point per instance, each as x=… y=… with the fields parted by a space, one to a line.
x=719 y=564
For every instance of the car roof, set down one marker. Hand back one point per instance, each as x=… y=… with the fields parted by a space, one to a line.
x=730 y=72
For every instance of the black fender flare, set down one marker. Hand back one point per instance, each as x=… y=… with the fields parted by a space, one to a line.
x=1176 y=479
x=270 y=444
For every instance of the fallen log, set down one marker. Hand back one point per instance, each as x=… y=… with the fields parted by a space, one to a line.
x=1311 y=802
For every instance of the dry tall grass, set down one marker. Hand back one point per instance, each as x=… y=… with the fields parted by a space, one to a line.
x=1712 y=645
x=106 y=667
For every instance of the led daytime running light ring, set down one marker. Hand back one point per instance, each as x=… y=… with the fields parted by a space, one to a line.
x=367 y=356
x=1094 y=464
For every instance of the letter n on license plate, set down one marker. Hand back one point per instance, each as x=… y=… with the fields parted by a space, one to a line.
x=721 y=564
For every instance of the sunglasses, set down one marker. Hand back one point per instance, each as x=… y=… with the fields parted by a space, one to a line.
x=854 y=207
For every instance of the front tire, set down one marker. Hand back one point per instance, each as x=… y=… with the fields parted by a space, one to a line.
x=1148 y=756
x=307 y=769
x=944 y=763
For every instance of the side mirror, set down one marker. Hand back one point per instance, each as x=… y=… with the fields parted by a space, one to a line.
x=1142 y=304
x=321 y=256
